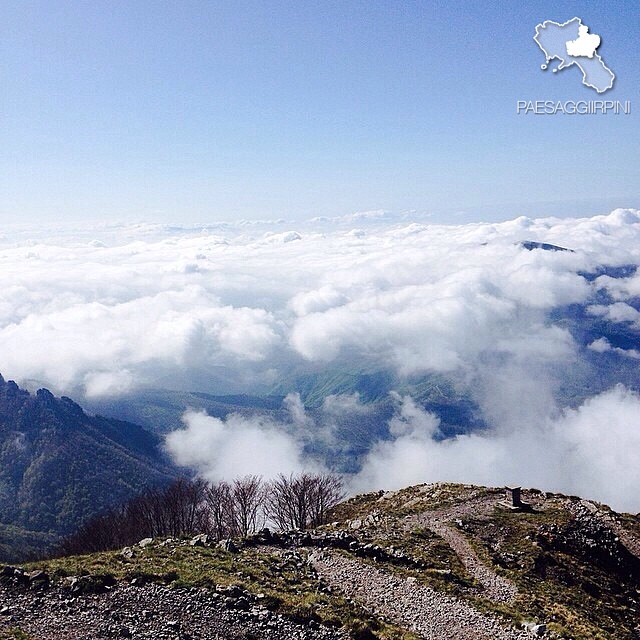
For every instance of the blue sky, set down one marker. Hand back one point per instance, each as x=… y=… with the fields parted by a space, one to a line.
x=203 y=111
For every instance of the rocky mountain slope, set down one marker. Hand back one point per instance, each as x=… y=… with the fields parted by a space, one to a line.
x=59 y=465
x=435 y=561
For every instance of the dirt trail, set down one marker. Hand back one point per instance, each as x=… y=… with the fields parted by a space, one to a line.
x=432 y=615
x=496 y=587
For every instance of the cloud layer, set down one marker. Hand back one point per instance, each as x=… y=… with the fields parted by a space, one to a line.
x=235 y=447
x=231 y=308
x=136 y=305
x=590 y=451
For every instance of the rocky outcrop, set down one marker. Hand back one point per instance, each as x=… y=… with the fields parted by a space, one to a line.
x=334 y=540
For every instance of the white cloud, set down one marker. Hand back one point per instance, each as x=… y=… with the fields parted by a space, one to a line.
x=617 y=312
x=107 y=383
x=344 y=404
x=157 y=301
x=318 y=300
x=602 y=345
x=591 y=451
x=282 y=238
x=80 y=342
x=294 y=405
x=237 y=446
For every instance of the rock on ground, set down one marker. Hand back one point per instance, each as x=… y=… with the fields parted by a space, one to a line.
x=148 y=612
x=433 y=615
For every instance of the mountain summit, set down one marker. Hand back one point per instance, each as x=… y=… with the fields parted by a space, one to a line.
x=437 y=561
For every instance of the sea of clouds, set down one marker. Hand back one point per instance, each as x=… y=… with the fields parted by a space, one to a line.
x=99 y=312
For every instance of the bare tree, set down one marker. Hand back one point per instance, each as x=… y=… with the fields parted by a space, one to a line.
x=301 y=501
x=175 y=511
x=222 y=510
x=327 y=492
x=279 y=503
x=219 y=505
x=235 y=509
x=182 y=508
x=247 y=495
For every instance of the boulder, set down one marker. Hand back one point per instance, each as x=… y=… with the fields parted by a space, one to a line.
x=90 y=584
x=13 y=575
x=201 y=540
x=534 y=628
x=228 y=545
x=38 y=578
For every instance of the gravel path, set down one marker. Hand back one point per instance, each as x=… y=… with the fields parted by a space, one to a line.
x=150 y=612
x=496 y=587
x=433 y=615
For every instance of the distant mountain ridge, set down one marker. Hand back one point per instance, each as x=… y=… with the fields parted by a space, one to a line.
x=59 y=466
x=352 y=434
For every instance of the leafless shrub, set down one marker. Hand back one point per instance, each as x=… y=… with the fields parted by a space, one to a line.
x=301 y=501
x=247 y=495
x=177 y=510
x=219 y=508
x=222 y=510
x=235 y=509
